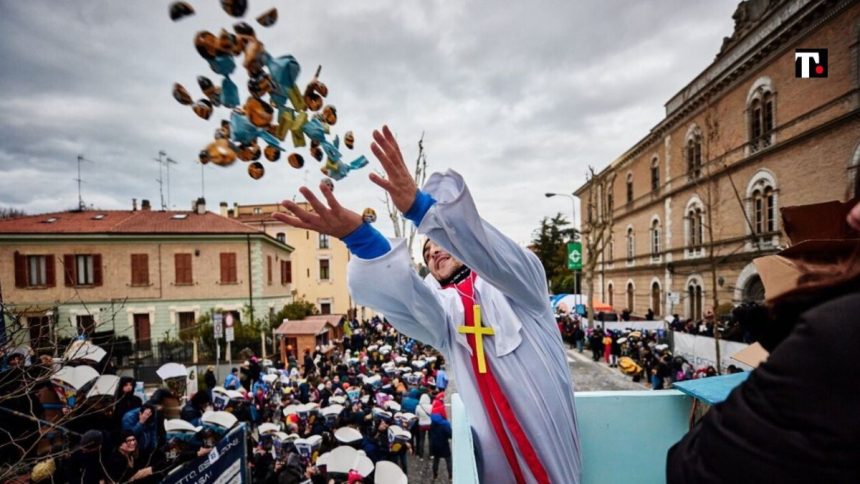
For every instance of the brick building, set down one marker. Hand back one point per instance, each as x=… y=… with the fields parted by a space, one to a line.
x=143 y=274
x=693 y=202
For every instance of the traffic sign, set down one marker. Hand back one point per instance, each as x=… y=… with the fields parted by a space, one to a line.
x=218 y=325
x=229 y=333
x=574 y=256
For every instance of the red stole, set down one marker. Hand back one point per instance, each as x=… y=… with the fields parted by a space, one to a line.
x=495 y=403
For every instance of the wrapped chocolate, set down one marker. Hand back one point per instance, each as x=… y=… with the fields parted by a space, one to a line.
x=203 y=108
x=268 y=18
x=349 y=139
x=296 y=160
x=181 y=94
x=179 y=10
x=272 y=153
x=256 y=170
x=235 y=8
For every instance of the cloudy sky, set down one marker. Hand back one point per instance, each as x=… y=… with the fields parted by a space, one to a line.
x=519 y=97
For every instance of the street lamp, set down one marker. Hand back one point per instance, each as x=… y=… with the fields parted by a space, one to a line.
x=573 y=212
x=576 y=287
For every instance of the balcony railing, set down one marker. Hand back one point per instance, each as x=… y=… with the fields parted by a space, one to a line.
x=624 y=436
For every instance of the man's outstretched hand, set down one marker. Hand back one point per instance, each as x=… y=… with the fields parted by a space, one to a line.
x=399 y=183
x=331 y=220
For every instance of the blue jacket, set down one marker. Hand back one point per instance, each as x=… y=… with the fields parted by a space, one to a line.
x=410 y=402
x=441 y=379
x=147 y=434
x=231 y=382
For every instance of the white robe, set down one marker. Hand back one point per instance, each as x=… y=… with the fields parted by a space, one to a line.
x=526 y=354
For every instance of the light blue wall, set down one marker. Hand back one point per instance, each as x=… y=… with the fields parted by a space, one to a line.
x=624 y=435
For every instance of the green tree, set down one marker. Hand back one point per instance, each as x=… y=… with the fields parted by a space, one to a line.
x=549 y=243
x=295 y=311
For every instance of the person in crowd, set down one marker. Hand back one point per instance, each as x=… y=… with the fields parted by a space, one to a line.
x=125 y=463
x=210 y=380
x=192 y=412
x=231 y=382
x=125 y=398
x=440 y=433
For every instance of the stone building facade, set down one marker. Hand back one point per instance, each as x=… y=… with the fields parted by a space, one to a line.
x=318 y=264
x=144 y=274
x=693 y=202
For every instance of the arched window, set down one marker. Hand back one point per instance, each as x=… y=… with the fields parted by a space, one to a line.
x=630 y=299
x=630 y=245
x=656 y=296
x=760 y=114
x=630 y=188
x=609 y=294
x=695 y=236
x=655 y=239
x=655 y=174
x=693 y=154
x=762 y=204
x=694 y=296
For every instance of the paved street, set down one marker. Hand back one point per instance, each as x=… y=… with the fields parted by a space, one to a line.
x=589 y=376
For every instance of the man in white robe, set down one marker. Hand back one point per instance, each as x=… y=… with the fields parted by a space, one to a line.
x=488 y=315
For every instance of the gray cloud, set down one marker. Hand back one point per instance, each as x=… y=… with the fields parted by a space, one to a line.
x=517 y=96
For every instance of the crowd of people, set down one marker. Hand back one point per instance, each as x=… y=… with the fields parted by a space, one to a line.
x=642 y=354
x=377 y=392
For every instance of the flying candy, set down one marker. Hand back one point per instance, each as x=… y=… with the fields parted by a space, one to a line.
x=179 y=10
x=275 y=107
x=369 y=215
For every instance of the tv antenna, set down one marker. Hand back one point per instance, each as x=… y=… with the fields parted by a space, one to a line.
x=169 y=161
x=160 y=179
x=164 y=160
x=81 y=205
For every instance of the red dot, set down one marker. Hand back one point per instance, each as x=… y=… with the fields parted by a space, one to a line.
x=819 y=70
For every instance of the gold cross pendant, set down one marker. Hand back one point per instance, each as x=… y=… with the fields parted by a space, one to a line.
x=479 y=332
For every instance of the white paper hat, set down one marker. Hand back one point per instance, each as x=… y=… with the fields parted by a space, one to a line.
x=401 y=360
x=347 y=435
x=267 y=428
x=344 y=459
x=333 y=410
x=222 y=419
x=389 y=473
x=75 y=377
x=179 y=425
x=270 y=378
x=172 y=370
x=338 y=400
x=104 y=385
x=392 y=405
x=84 y=350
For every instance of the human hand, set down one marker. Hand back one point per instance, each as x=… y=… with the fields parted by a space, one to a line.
x=333 y=220
x=144 y=415
x=203 y=451
x=399 y=184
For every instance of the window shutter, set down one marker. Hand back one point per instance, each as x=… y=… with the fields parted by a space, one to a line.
x=69 y=269
x=20 y=270
x=97 y=269
x=269 y=269
x=225 y=269
x=289 y=267
x=50 y=271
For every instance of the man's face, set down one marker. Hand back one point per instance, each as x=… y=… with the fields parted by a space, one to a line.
x=440 y=263
x=129 y=444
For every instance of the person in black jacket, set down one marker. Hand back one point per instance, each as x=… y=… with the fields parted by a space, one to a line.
x=797 y=417
x=125 y=399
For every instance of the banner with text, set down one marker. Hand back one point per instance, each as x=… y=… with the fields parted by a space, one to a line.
x=225 y=464
x=701 y=351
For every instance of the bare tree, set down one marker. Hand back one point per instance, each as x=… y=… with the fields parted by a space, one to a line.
x=8 y=212
x=403 y=229
x=597 y=234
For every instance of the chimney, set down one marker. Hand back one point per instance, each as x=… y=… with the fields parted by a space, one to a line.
x=200 y=206
x=222 y=209
x=236 y=209
x=144 y=205
x=230 y=213
x=134 y=205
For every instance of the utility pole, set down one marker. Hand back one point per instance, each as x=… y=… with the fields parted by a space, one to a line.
x=81 y=205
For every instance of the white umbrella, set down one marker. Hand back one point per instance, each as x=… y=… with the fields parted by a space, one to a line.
x=172 y=370
x=75 y=377
x=343 y=459
x=104 y=385
x=389 y=473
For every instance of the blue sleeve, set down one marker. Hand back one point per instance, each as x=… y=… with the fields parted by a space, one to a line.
x=366 y=242
x=423 y=202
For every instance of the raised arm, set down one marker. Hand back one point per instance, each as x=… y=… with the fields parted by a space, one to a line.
x=378 y=276
x=446 y=212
